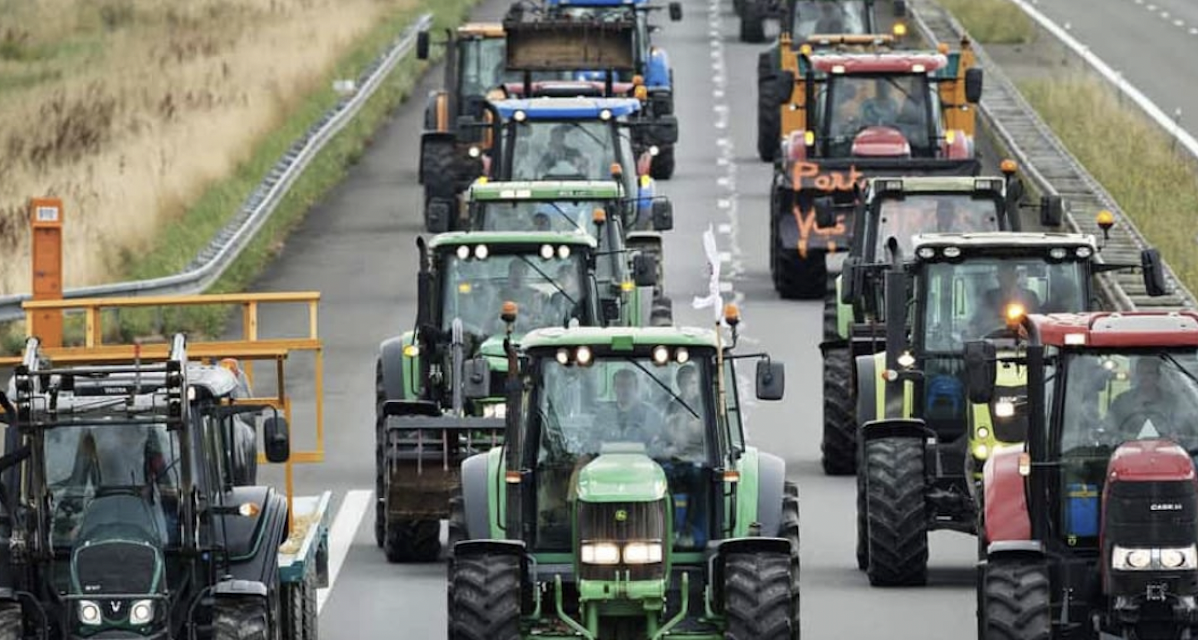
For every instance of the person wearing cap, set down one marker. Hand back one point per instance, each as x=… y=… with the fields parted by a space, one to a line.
x=990 y=314
x=558 y=151
x=1150 y=398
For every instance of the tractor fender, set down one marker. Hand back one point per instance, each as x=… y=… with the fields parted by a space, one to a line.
x=644 y=241
x=1004 y=497
x=436 y=111
x=895 y=428
x=657 y=68
x=253 y=542
x=395 y=365
x=1010 y=548
x=877 y=399
x=476 y=495
x=771 y=475
x=240 y=588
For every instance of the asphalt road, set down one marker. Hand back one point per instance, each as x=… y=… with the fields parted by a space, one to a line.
x=358 y=249
x=1148 y=41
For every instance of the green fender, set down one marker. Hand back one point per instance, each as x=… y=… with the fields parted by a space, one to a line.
x=878 y=399
x=844 y=312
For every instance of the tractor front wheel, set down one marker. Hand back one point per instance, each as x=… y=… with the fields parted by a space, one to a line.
x=790 y=531
x=241 y=620
x=485 y=598
x=1016 y=600
x=896 y=512
x=839 y=446
x=862 y=519
x=769 y=115
x=757 y=587
x=662 y=165
x=412 y=540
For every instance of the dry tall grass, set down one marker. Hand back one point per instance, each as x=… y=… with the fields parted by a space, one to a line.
x=129 y=108
x=1131 y=157
x=992 y=21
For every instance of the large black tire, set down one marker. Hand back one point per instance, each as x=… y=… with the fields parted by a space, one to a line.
x=1016 y=601
x=241 y=619
x=757 y=592
x=839 y=445
x=662 y=166
x=662 y=312
x=831 y=311
x=769 y=114
x=797 y=278
x=484 y=598
x=440 y=172
x=380 y=487
x=412 y=540
x=896 y=512
x=12 y=625
x=311 y=618
x=752 y=23
x=790 y=531
x=862 y=518
x=457 y=522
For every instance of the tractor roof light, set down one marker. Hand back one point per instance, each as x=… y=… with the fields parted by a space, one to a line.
x=520 y=116
x=583 y=356
x=731 y=314
x=661 y=355
x=546 y=251
x=605 y=115
x=1057 y=253
x=942 y=48
x=563 y=251
x=616 y=170
x=952 y=252
x=682 y=355
x=563 y=356
x=638 y=80
x=1008 y=166
x=1084 y=252
x=598 y=216
x=640 y=93
x=899 y=29
x=838 y=69
x=890 y=185
x=1075 y=338
x=1014 y=314
x=463 y=252
x=481 y=252
x=1105 y=220
x=926 y=253
x=918 y=68
x=509 y=311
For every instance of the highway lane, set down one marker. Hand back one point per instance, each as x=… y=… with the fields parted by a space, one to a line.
x=1148 y=41
x=357 y=248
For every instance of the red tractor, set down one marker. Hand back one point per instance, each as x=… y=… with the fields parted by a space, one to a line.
x=1091 y=526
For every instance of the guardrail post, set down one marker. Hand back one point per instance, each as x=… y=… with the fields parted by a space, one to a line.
x=45 y=216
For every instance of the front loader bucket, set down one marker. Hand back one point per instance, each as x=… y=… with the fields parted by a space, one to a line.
x=424 y=457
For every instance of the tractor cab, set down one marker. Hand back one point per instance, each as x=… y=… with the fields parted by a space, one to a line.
x=596 y=208
x=808 y=20
x=626 y=460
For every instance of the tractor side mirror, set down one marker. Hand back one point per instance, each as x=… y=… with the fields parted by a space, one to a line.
x=422 y=45
x=1154 y=272
x=785 y=86
x=973 y=85
x=663 y=215
x=675 y=11
x=1052 y=211
x=644 y=270
x=277 y=439
x=771 y=380
x=825 y=212
x=980 y=370
x=476 y=378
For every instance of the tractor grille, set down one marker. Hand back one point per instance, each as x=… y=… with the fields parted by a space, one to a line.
x=643 y=521
x=115 y=567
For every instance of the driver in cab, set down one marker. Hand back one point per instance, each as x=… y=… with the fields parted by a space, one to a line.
x=1150 y=399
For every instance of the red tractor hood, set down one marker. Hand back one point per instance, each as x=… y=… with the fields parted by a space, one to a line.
x=1150 y=461
x=881 y=142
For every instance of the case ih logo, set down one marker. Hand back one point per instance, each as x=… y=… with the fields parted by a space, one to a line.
x=1165 y=506
x=808 y=175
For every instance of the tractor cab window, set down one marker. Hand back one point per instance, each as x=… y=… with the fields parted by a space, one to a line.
x=932 y=213
x=825 y=17
x=112 y=476
x=555 y=215
x=578 y=409
x=967 y=300
x=580 y=150
x=483 y=66
x=871 y=108
x=1115 y=397
x=547 y=288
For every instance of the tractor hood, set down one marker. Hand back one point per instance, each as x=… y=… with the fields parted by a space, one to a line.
x=492 y=350
x=881 y=142
x=622 y=473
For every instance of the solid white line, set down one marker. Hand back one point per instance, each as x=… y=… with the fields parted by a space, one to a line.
x=341 y=536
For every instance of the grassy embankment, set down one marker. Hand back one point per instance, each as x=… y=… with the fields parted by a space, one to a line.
x=1155 y=184
x=184 y=227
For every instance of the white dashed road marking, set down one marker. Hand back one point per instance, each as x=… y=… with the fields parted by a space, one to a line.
x=341 y=536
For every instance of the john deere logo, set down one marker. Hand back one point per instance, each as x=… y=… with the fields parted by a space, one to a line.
x=621 y=515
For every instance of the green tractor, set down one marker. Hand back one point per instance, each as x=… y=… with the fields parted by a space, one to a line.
x=422 y=376
x=922 y=444
x=897 y=208
x=599 y=208
x=626 y=502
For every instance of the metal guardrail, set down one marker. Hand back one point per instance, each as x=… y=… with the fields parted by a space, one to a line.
x=236 y=235
x=1053 y=170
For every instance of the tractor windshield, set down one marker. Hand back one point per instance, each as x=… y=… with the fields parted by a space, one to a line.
x=556 y=215
x=967 y=300
x=84 y=463
x=828 y=17
x=483 y=66
x=570 y=150
x=1112 y=397
x=866 y=108
x=933 y=213
x=548 y=291
x=576 y=409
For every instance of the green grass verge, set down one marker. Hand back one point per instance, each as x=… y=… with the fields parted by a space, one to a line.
x=992 y=21
x=1154 y=183
x=182 y=240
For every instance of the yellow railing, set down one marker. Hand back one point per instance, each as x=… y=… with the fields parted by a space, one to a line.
x=248 y=349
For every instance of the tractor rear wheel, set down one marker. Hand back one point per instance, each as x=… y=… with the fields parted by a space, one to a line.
x=769 y=116
x=862 y=520
x=790 y=531
x=839 y=446
x=12 y=624
x=412 y=540
x=485 y=598
x=896 y=512
x=757 y=589
x=241 y=619
x=831 y=311
x=752 y=22
x=798 y=278
x=662 y=165
x=1016 y=600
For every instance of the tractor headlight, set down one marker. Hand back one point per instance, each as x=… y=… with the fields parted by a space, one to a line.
x=142 y=612
x=1004 y=409
x=1179 y=558
x=498 y=410
x=642 y=553
x=1124 y=559
x=599 y=553
x=89 y=612
x=983 y=433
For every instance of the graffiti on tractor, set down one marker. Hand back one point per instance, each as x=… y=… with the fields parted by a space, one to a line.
x=810 y=181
